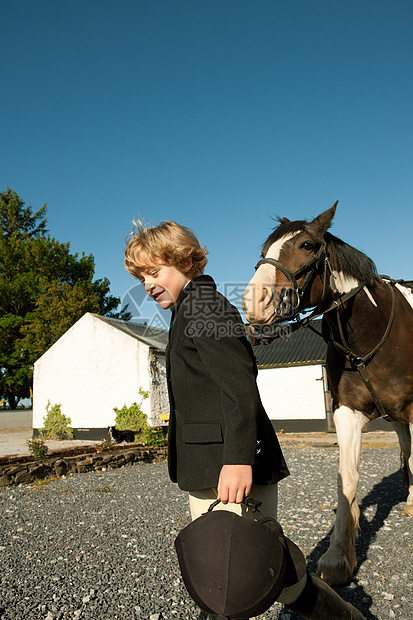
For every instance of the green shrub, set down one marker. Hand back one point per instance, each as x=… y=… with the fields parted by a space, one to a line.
x=56 y=423
x=134 y=419
x=154 y=437
x=104 y=445
x=37 y=447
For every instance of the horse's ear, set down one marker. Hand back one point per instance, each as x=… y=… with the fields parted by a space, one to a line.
x=284 y=220
x=323 y=222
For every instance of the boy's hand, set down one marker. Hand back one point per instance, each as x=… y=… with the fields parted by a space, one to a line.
x=235 y=482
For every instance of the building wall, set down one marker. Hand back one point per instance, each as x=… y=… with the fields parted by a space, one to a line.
x=160 y=399
x=91 y=369
x=293 y=393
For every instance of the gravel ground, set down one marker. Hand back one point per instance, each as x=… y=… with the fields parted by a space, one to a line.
x=100 y=544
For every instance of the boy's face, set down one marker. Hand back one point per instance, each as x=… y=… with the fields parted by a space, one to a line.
x=164 y=283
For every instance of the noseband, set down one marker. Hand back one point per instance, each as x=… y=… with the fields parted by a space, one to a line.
x=311 y=268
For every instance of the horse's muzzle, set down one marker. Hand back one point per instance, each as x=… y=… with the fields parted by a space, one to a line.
x=286 y=304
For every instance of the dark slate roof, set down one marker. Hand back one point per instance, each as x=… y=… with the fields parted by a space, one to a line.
x=294 y=349
x=152 y=336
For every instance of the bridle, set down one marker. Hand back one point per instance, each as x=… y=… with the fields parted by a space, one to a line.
x=310 y=269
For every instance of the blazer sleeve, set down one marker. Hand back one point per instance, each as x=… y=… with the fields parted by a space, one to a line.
x=229 y=365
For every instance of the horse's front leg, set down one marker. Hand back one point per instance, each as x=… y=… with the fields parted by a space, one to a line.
x=405 y=435
x=336 y=566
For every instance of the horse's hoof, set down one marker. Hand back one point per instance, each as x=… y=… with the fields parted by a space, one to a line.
x=333 y=578
x=335 y=573
x=408 y=510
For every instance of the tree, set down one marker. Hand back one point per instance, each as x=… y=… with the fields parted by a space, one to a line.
x=20 y=221
x=44 y=290
x=56 y=310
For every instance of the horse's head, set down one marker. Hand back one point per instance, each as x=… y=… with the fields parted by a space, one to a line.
x=286 y=279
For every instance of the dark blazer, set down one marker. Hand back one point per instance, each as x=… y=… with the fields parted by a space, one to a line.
x=216 y=415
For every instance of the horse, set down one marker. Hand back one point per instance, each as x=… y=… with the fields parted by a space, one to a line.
x=367 y=322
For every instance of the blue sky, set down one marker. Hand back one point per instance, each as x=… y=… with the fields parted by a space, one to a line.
x=217 y=114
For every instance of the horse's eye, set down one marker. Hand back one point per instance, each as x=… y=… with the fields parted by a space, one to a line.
x=308 y=246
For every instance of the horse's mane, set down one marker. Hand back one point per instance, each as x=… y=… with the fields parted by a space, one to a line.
x=283 y=229
x=350 y=261
x=344 y=258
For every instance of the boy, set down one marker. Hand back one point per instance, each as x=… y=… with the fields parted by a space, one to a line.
x=220 y=438
x=221 y=443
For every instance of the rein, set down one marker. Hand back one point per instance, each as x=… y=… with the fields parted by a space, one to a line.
x=357 y=362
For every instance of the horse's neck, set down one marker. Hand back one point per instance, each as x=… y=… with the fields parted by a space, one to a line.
x=363 y=316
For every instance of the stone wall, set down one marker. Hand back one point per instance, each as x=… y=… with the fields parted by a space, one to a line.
x=15 y=470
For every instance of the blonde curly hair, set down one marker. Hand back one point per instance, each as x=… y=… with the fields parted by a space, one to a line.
x=169 y=243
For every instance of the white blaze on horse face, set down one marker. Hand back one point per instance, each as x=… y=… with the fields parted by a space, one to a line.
x=258 y=299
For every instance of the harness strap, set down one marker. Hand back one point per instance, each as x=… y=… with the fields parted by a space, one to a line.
x=335 y=305
x=381 y=412
x=359 y=362
x=306 y=322
x=275 y=263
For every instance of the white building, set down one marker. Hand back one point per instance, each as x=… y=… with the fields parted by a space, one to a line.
x=292 y=381
x=99 y=364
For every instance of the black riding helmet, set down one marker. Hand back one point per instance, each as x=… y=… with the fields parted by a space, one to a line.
x=237 y=567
